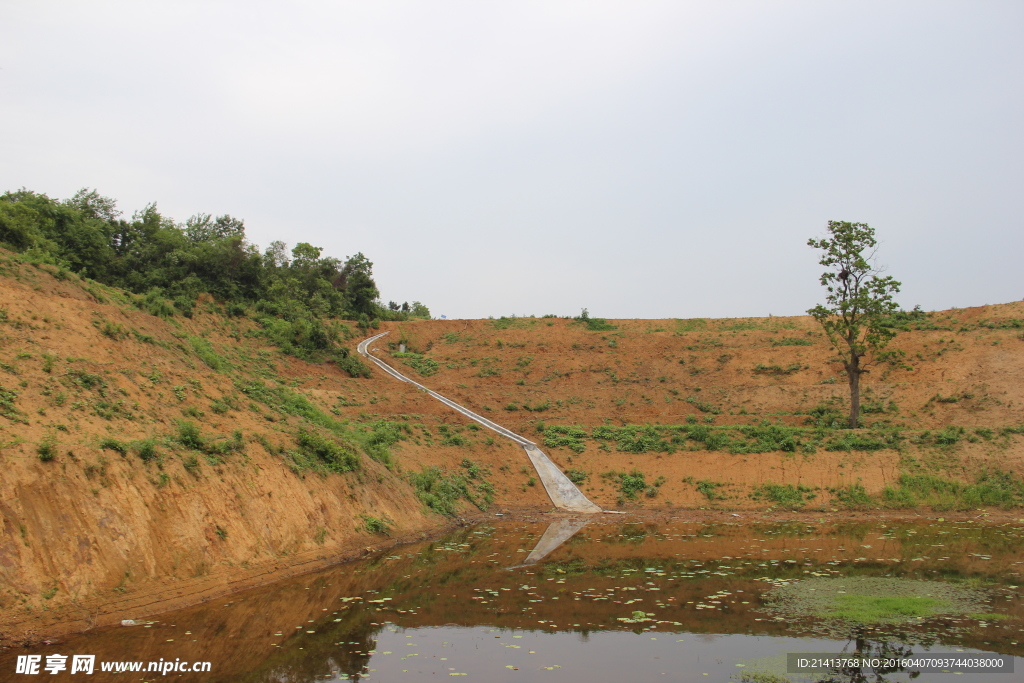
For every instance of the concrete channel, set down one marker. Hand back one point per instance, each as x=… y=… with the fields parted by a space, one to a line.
x=563 y=493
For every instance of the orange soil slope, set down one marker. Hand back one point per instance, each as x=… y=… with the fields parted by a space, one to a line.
x=92 y=530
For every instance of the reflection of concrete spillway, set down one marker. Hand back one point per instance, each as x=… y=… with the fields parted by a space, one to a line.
x=563 y=493
x=557 y=533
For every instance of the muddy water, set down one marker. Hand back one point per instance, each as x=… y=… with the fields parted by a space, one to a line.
x=578 y=602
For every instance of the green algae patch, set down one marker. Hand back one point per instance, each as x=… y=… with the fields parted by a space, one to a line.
x=874 y=600
x=875 y=609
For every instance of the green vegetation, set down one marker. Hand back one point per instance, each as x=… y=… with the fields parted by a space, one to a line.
x=874 y=600
x=825 y=431
x=560 y=436
x=441 y=490
x=593 y=324
x=293 y=294
x=852 y=497
x=7 y=408
x=512 y=323
x=112 y=444
x=630 y=485
x=323 y=454
x=777 y=370
x=792 y=341
x=416 y=361
x=47 y=448
x=995 y=488
x=873 y=609
x=576 y=475
x=377 y=525
x=709 y=489
x=858 y=304
x=784 y=495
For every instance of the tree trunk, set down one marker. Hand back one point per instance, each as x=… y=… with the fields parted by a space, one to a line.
x=853 y=371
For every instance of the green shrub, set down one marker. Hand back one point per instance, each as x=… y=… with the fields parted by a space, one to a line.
x=949 y=436
x=191 y=464
x=792 y=341
x=332 y=455
x=221 y=405
x=48 y=360
x=234 y=310
x=784 y=495
x=704 y=407
x=155 y=304
x=147 y=450
x=115 y=331
x=565 y=437
x=190 y=436
x=898 y=498
x=852 y=497
x=441 y=490
x=7 y=408
x=376 y=525
x=382 y=435
x=112 y=444
x=991 y=488
x=576 y=475
x=709 y=489
x=593 y=324
x=352 y=364
x=630 y=484
x=776 y=370
x=211 y=358
x=85 y=380
x=47 y=449
x=416 y=361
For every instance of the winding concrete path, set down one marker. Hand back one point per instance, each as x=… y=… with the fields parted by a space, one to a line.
x=563 y=493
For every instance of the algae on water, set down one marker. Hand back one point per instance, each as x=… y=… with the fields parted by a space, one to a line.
x=874 y=600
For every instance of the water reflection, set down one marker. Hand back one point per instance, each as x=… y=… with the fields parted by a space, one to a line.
x=520 y=601
x=557 y=533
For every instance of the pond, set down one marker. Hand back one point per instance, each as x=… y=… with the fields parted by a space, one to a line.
x=573 y=601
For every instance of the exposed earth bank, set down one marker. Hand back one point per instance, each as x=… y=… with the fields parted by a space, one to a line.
x=147 y=463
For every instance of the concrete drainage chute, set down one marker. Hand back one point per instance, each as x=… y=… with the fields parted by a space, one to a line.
x=563 y=493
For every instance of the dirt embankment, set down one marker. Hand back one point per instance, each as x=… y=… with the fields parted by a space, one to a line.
x=146 y=463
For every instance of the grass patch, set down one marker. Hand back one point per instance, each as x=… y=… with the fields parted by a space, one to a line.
x=377 y=525
x=416 y=361
x=792 y=341
x=512 y=323
x=783 y=495
x=991 y=489
x=709 y=489
x=204 y=349
x=323 y=454
x=776 y=370
x=442 y=490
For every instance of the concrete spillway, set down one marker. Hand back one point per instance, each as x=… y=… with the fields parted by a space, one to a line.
x=563 y=493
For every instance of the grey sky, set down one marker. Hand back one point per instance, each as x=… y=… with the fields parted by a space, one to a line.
x=641 y=159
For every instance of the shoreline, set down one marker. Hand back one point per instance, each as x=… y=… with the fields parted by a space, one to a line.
x=148 y=601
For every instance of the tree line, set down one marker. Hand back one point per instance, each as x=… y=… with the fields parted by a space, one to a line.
x=151 y=254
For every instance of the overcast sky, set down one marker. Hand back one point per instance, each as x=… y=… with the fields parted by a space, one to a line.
x=641 y=159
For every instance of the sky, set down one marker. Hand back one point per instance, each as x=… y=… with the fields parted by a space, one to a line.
x=640 y=159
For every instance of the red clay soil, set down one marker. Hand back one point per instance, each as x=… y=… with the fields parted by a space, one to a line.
x=89 y=531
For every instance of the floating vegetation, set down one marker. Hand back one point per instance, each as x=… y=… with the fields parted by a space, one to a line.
x=874 y=600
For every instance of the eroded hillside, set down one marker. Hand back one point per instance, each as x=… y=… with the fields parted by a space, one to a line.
x=148 y=461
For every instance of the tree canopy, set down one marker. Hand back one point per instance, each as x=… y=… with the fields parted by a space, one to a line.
x=858 y=304
x=154 y=256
